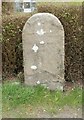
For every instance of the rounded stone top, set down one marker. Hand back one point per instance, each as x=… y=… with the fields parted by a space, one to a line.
x=41 y=22
x=44 y=17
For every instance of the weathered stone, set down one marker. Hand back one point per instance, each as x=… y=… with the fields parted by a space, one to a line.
x=43 y=51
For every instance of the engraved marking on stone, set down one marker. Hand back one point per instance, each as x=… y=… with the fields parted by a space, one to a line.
x=35 y=48
x=42 y=42
x=39 y=23
x=38 y=82
x=33 y=67
x=50 y=30
x=61 y=88
x=40 y=32
x=40 y=64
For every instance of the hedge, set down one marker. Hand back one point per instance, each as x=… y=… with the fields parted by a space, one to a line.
x=70 y=16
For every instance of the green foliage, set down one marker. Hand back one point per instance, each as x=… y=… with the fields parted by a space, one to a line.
x=12 y=43
x=7 y=7
x=71 y=17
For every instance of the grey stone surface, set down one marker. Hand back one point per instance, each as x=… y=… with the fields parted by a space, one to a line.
x=43 y=51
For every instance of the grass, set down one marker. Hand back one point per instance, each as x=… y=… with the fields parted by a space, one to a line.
x=19 y=94
x=24 y=98
x=59 y=1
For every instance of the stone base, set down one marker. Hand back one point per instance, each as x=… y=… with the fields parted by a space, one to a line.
x=45 y=79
